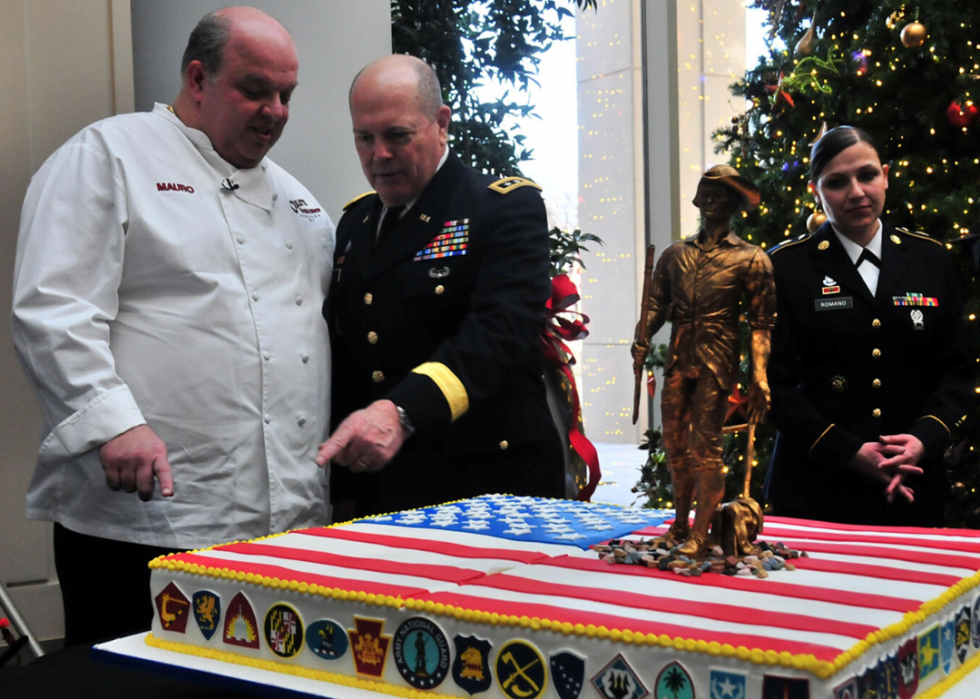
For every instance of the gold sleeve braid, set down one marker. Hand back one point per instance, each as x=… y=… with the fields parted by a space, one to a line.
x=450 y=385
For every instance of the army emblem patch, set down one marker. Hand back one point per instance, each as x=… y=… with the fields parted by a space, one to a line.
x=724 y=684
x=471 y=669
x=370 y=647
x=947 y=645
x=888 y=677
x=908 y=668
x=963 y=631
x=617 y=680
x=568 y=673
x=284 y=630
x=673 y=682
x=774 y=687
x=421 y=653
x=848 y=690
x=173 y=608
x=207 y=612
x=928 y=652
x=867 y=683
x=521 y=671
x=327 y=639
x=241 y=628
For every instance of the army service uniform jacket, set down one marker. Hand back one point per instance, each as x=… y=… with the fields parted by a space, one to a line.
x=847 y=368
x=442 y=318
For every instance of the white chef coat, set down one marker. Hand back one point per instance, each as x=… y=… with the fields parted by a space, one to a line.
x=146 y=291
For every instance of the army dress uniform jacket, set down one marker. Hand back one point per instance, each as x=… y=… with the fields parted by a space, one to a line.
x=442 y=318
x=847 y=368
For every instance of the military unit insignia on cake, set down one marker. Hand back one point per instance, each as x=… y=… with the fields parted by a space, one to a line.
x=327 y=639
x=928 y=652
x=521 y=672
x=775 y=687
x=452 y=241
x=975 y=624
x=421 y=653
x=241 y=627
x=568 y=674
x=947 y=645
x=908 y=668
x=618 y=680
x=848 y=690
x=963 y=629
x=471 y=669
x=724 y=684
x=911 y=298
x=370 y=647
x=173 y=608
x=207 y=612
x=867 y=682
x=888 y=682
x=284 y=630
x=674 y=682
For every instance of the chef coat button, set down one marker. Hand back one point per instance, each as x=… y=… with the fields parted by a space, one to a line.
x=268 y=418
x=255 y=297
x=440 y=289
x=299 y=300
x=377 y=376
x=305 y=358
x=876 y=353
x=240 y=239
x=267 y=355
x=368 y=299
x=289 y=245
x=875 y=323
x=301 y=421
x=876 y=383
x=372 y=337
x=503 y=445
x=876 y=413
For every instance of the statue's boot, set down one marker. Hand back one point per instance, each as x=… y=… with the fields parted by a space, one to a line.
x=711 y=491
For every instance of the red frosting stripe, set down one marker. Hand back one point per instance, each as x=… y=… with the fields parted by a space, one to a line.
x=708 y=610
x=911 y=531
x=270 y=571
x=624 y=623
x=416 y=544
x=905 y=556
x=375 y=565
x=879 y=572
x=783 y=589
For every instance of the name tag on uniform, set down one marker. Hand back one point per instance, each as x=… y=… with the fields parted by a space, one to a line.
x=834 y=304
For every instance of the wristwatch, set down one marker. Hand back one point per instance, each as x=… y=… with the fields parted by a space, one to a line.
x=404 y=421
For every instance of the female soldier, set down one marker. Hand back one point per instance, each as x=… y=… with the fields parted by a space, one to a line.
x=869 y=371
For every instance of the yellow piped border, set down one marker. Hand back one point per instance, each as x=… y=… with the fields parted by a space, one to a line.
x=449 y=384
x=821 y=668
x=926 y=417
x=299 y=671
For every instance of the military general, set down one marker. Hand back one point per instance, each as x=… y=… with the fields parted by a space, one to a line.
x=440 y=281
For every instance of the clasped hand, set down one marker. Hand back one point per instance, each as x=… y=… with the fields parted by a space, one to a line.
x=889 y=461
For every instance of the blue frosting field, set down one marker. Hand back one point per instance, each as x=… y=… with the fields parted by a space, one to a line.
x=541 y=520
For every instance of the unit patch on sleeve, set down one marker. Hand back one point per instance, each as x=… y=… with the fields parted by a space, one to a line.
x=452 y=241
x=241 y=627
x=207 y=612
x=327 y=639
x=421 y=653
x=471 y=669
x=284 y=630
x=173 y=608
x=370 y=646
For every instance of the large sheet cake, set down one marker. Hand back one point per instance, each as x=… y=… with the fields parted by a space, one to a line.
x=501 y=597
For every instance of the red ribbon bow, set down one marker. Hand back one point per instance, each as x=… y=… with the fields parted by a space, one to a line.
x=555 y=332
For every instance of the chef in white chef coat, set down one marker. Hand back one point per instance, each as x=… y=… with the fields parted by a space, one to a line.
x=167 y=295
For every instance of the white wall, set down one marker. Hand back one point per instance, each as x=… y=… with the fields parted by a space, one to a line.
x=67 y=63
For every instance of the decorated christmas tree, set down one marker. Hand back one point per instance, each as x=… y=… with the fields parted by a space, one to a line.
x=907 y=73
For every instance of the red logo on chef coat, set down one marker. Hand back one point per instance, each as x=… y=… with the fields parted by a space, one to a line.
x=300 y=206
x=174 y=187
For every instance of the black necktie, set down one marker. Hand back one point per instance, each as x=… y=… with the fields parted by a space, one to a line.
x=388 y=223
x=868 y=256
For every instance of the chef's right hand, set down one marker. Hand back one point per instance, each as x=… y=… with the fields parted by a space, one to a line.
x=134 y=460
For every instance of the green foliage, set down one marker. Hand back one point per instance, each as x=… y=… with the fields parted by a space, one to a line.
x=900 y=96
x=475 y=42
x=567 y=249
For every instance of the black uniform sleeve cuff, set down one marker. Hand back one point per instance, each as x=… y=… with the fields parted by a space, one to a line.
x=933 y=433
x=431 y=396
x=835 y=448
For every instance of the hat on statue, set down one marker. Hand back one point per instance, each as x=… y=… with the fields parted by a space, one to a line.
x=728 y=176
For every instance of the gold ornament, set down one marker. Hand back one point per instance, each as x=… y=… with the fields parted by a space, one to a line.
x=816 y=220
x=805 y=45
x=894 y=18
x=914 y=35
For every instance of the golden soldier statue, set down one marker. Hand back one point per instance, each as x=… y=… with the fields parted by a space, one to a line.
x=697 y=286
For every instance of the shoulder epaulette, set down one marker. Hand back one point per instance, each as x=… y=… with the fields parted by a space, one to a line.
x=921 y=235
x=509 y=184
x=357 y=199
x=790 y=243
